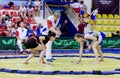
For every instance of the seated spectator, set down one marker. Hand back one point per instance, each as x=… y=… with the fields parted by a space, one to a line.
x=30 y=11
x=9 y=24
x=3 y=22
x=21 y=34
x=5 y=18
x=22 y=10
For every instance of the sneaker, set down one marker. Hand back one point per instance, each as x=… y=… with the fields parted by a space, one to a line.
x=53 y=59
x=49 y=60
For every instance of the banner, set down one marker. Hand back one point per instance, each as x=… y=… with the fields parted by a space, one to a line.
x=61 y=43
x=65 y=43
x=9 y=43
x=106 y=6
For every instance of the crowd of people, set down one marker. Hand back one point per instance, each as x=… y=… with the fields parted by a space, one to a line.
x=43 y=36
x=11 y=14
x=27 y=11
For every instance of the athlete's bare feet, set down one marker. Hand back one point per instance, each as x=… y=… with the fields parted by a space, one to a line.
x=42 y=63
x=25 y=62
x=101 y=60
x=78 y=62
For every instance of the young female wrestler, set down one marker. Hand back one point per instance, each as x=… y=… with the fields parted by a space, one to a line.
x=96 y=38
x=35 y=44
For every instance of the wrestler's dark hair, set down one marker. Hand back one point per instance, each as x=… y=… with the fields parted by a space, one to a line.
x=78 y=35
x=52 y=34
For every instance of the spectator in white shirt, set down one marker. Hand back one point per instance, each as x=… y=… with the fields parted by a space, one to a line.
x=21 y=34
x=22 y=10
x=9 y=22
x=30 y=11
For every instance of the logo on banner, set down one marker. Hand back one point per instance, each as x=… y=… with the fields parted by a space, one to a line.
x=7 y=42
x=105 y=2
